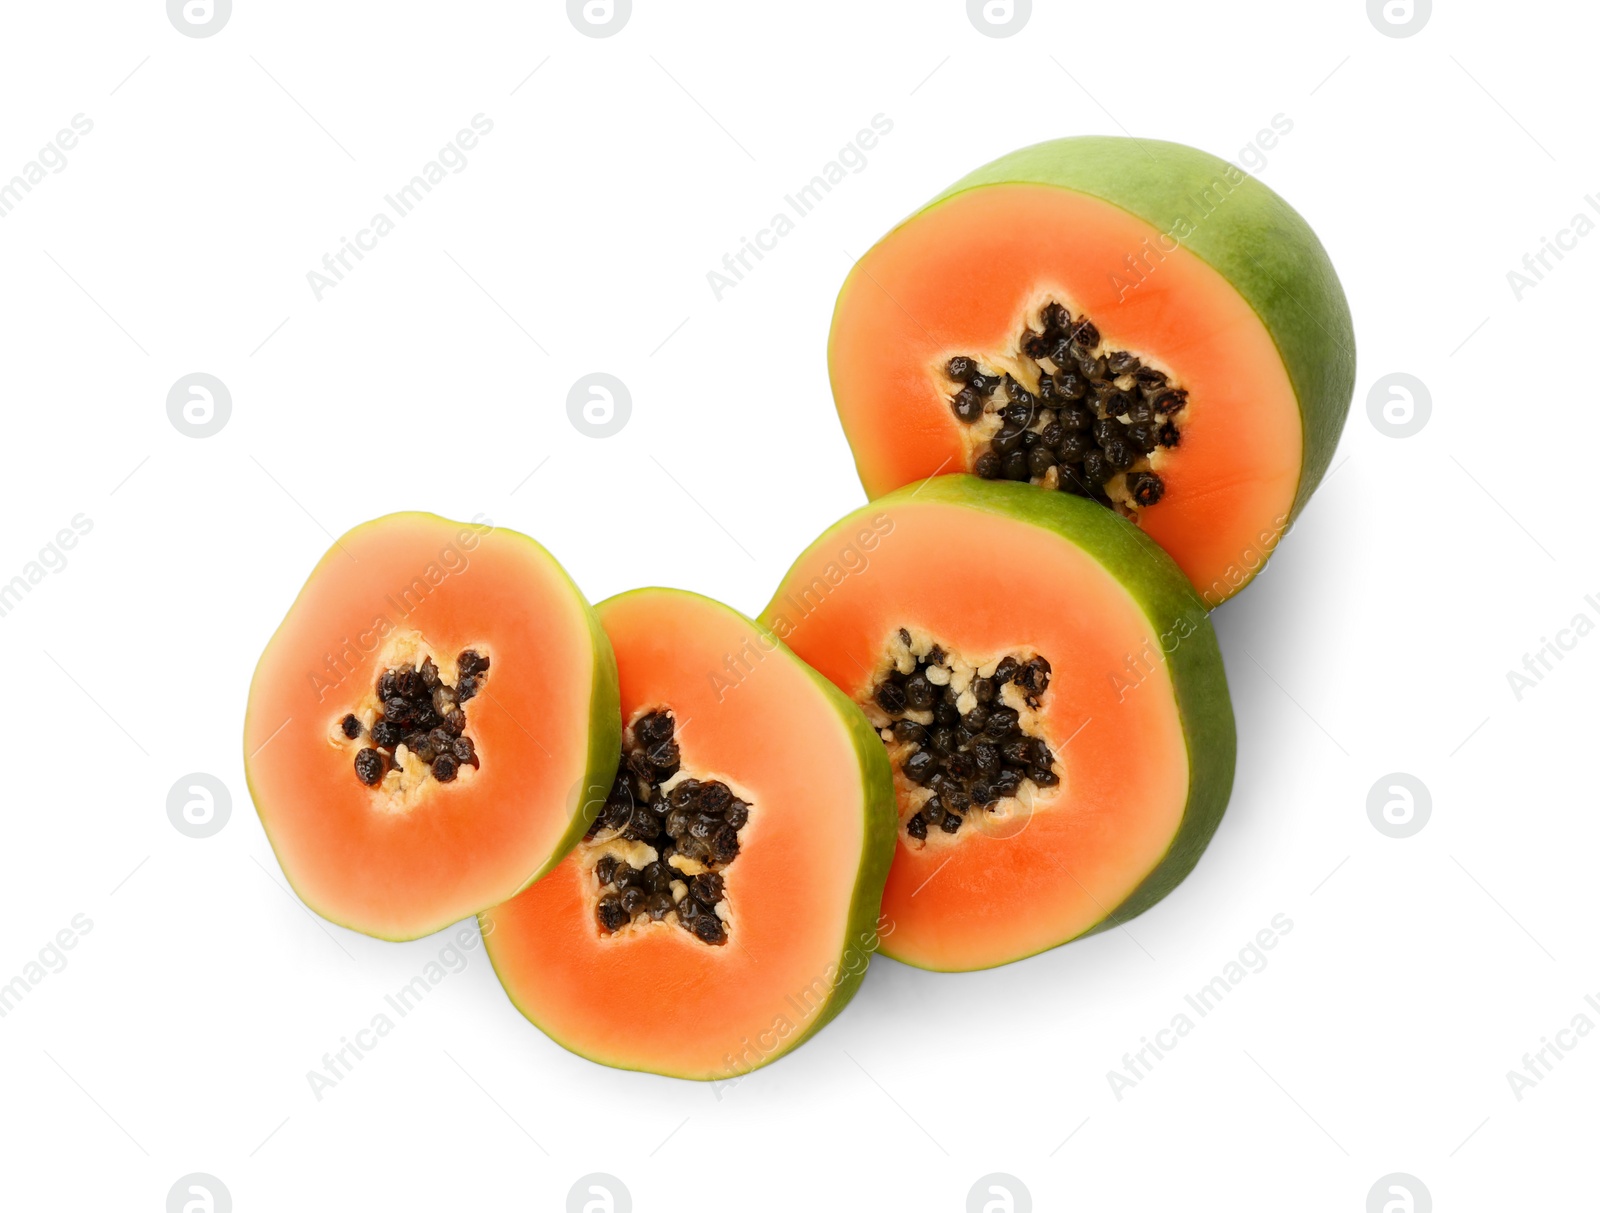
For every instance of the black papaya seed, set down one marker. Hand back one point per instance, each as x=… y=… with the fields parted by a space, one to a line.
x=1170 y=400
x=708 y=928
x=653 y=729
x=1009 y=439
x=1095 y=470
x=725 y=845
x=1144 y=437
x=370 y=766
x=891 y=697
x=1146 y=488
x=1019 y=413
x=1120 y=453
x=961 y=368
x=1076 y=417
x=706 y=888
x=967 y=405
x=610 y=913
x=919 y=766
x=909 y=732
x=1070 y=385
x=920 y=694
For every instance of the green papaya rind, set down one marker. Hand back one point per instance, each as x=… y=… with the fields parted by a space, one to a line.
x=1253 y=238
x=605 y=723
x=605 y=742
x=880 y=822
x=880 y=826
x=1172 y=608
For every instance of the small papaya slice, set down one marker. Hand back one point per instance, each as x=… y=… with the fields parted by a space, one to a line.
x=428 y=723
x=1128 y=320
x=1049 y=689
x=723 y=906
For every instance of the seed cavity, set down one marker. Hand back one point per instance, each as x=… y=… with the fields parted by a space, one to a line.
x=419 y=713
x=966 y=736
x=663 y=840
x=1084 y=418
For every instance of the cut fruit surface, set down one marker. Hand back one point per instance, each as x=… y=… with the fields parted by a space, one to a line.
x=427 y=724
x=1040 y=672
x=724 y=906
x=1132 y=321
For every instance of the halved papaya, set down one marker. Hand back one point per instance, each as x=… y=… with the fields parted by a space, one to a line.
x=1049 y=689
x=428 y=723
x=1128 y=320
x=722 y=908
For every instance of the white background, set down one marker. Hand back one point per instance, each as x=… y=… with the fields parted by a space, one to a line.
x=178 y=238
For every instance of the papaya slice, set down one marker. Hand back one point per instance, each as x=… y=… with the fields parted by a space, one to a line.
x=428 y=723
x=722 y=908
x=1055 y=709
x=1132 y=321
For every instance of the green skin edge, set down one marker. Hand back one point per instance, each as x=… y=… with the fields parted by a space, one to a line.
x=1253 y=238
x=1167 y=600
x=605 y=721
x=880 y=822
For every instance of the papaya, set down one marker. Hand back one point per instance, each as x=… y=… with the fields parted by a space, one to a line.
x=723 y=904
x=1048 y=687
x=428 y=724
x=1131 y=321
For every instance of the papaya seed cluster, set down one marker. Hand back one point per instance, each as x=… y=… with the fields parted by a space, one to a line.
x=1087 y=427
x=419 y=713
x=957 y=732
x=676 y=836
